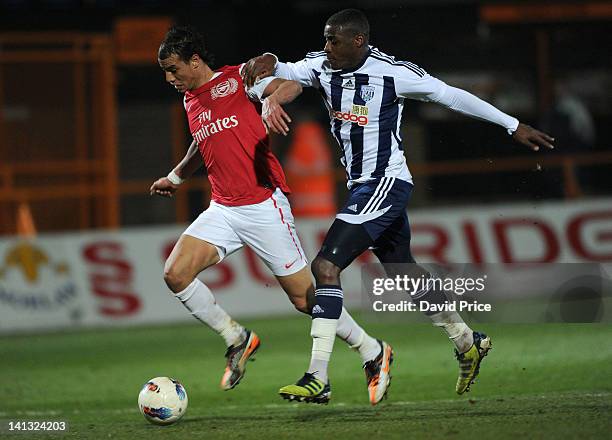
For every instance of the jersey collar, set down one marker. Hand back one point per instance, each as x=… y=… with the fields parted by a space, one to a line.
x=361 y=63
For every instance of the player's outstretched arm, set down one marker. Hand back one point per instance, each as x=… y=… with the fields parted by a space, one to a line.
x=464 y=102
x=532 y=138
x=424 y=87
x=278 y=93
x=167 y=186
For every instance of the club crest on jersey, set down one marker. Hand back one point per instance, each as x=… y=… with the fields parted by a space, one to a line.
x=224 y=88
x=366 y=93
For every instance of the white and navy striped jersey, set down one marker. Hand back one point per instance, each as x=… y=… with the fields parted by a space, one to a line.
x=365 y=106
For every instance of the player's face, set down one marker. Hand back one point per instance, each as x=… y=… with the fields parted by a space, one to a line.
x=343 y=49
x=181 y=75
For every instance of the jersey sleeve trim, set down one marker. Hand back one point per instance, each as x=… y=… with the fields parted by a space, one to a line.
x=256 y=92
x=391 y=60
x=318 y=54
x=416 y=70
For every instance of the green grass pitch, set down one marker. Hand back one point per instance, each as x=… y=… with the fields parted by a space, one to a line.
x=539 y=381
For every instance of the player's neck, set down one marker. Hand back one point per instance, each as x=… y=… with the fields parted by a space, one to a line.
x=205 y=76
x=359 y=59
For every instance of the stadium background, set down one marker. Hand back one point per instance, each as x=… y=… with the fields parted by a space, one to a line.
x=87 y=123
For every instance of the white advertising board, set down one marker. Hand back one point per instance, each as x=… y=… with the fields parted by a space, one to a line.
x=116 y=278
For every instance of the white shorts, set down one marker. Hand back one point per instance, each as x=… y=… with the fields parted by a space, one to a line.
x=267 y=228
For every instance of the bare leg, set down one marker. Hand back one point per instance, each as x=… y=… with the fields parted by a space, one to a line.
x=189 y=257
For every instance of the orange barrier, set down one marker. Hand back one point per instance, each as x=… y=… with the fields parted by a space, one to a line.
x=61 y=153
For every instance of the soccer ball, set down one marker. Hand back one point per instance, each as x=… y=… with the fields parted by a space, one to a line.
x=162 y=400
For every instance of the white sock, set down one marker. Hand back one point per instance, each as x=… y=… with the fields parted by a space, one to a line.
x=349 y=331
x=457 y=330
x=199 y=300
x=323 y=331
x=318 y=368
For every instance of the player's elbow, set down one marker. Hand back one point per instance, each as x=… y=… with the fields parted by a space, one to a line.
x=438 y=94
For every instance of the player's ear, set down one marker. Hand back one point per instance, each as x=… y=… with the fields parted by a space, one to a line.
x=359 y=40
x=194 y=61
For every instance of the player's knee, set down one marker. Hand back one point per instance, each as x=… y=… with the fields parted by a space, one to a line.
x=325 y=271
x=176 y=279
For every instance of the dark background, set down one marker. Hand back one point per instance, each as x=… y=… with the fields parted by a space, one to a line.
x=498 y=62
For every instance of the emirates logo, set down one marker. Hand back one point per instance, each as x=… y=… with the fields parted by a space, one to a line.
x=224 y=88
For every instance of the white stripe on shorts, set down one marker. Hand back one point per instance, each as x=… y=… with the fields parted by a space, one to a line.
x=384 y=196
x=381 y=191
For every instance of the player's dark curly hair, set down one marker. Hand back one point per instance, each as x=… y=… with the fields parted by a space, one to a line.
x=184 y=41
x=352 y=20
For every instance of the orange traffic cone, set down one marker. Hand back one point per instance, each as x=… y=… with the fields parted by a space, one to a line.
x=25 y=222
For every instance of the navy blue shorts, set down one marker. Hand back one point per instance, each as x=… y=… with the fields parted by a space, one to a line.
x=376 y=205
x=374 y=216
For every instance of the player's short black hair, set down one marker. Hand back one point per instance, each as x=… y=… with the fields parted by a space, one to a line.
x=352 y=20
x=184 y=41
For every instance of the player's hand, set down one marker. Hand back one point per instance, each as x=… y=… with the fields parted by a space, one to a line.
x=163 y=187
x=532 y=138
x=256 y=68
x=275 y=116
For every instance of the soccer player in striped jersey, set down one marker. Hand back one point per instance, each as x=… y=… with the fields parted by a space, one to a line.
x=364 y=91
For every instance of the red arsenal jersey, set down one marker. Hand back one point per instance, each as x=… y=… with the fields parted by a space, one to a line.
x=233 y=141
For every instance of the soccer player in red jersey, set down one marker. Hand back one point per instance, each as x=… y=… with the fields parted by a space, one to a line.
x=248 y=204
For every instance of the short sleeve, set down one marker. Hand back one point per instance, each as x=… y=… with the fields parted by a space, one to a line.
x=303 y=72
x=255 y=93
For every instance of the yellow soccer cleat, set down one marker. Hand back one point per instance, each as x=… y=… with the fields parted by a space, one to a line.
x=308 y=389
x=469 y=362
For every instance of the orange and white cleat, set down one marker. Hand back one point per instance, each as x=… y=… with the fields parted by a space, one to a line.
x=378 y=373
x=237 y=357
